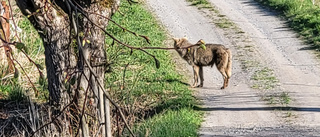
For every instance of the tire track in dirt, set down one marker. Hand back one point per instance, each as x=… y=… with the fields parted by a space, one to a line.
x=239 y=110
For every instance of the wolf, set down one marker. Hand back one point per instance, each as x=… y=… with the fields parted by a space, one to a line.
x=211 y=54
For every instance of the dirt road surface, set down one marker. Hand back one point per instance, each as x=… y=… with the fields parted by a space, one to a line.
x=240 y=110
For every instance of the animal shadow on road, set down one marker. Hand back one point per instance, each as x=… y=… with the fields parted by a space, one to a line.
x=169 y=81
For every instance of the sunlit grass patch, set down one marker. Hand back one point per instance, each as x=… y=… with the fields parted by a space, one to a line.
x=145 y=91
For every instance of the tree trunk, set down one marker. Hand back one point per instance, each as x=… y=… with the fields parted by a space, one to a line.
x=65 y=61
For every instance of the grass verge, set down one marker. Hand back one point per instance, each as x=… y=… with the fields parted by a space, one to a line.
x=172 y=124
x=303 y=17
x=14 y=89
x=11 y=91
x=156 y=98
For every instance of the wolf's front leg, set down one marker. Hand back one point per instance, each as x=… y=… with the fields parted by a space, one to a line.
x=201 y=76
x=196 y=70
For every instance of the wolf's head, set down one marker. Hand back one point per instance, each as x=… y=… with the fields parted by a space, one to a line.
x=180 y=42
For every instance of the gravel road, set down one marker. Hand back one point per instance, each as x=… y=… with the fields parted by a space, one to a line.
x=240 y=110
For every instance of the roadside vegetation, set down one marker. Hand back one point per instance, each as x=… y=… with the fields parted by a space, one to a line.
x=278 y=99
x=200 y=3
x=303 y=17
x=157 y=98
x=264 y=78
x=157 y=102
x=14 y=88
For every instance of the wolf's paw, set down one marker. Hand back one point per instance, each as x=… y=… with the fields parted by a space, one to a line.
x=194 y=86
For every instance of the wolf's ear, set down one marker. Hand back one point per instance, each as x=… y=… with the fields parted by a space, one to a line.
x=184 y=38
x=175 y=39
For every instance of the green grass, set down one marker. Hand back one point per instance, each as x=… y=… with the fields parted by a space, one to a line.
x=29 y=36
x=224 y=23
x=285 y=98
x=13 y=88
x=146 y=90
x=264 y=79
x=278 y=99
x=200 y=3
x=303 y=17
x=171 y=124
x=5 y=90
x=12 y=91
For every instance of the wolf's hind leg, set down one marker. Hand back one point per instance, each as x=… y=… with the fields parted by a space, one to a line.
x=229 y=66
x=196 y=70
x=222 y=66
x=225 y=79
x=222 y=70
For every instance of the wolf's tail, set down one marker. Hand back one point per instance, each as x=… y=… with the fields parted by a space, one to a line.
x=229 y=65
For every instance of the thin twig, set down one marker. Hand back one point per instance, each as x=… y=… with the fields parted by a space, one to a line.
x=129 y=46
x=12 y=59
x=34 y=87
x=131 y=1
x=123 y=28
x=124 y=76
x=14 y=23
